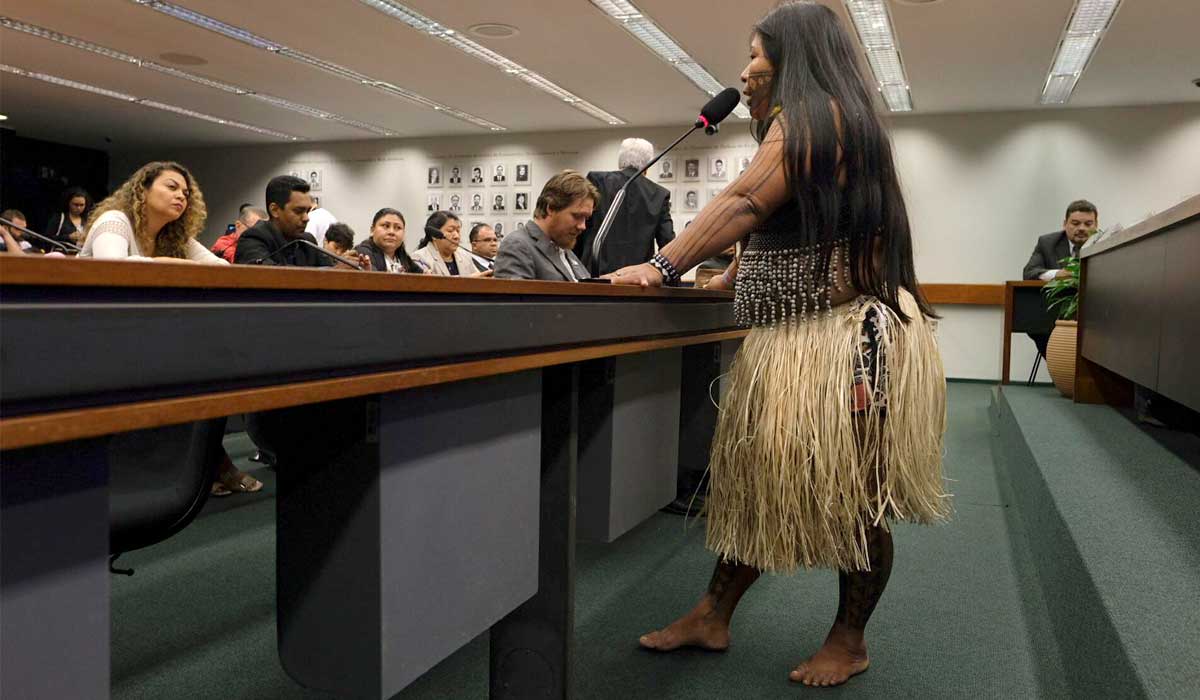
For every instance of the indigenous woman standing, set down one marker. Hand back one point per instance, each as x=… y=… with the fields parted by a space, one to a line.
x=832 y=425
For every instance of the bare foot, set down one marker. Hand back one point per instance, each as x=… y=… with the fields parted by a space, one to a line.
x=843 y=655
x=702 y=627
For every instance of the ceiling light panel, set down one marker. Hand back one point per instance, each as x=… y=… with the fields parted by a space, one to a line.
x=74 y=42
x=631 y=19
x=426 y=25
x=154 y=104
x=247 y=37
x=873 y=25
x=1089 y=21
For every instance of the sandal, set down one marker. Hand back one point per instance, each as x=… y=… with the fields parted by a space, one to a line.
x=218 y=490
x=238 y=481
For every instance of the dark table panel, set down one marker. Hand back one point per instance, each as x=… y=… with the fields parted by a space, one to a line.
x=1123 y=310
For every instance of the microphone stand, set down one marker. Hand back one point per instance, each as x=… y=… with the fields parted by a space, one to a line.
x=314 y=246
x=66 y=247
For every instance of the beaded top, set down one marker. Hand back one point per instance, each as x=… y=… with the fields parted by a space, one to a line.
x=777 y=280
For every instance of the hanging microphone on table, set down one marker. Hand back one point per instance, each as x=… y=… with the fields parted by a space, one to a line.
x=66 y=247
x=300 y=241
x=710 y=117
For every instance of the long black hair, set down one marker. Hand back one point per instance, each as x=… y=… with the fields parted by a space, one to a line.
x=817 y=71
x=401 y=254
x=436 y=221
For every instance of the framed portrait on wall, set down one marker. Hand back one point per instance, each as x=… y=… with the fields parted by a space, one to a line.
x=718 y=169
x=521 y=203
x=523 y=174
x=477 y=203
x=433 y=176
x=455 y=177
x=714 y=192
x=666 y=170
x=315 y=178
x=500 y=229
x=433 y=202
x=499 y=204
x=691 y=200
x=691 y=169
x=477 y=175
x=743 y=163
x=499 y=175
x=455 y=205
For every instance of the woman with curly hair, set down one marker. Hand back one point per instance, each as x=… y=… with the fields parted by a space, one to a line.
x=155 y=215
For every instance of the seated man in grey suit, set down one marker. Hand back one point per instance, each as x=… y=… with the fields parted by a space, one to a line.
x=542 y=250
x=1078 y=226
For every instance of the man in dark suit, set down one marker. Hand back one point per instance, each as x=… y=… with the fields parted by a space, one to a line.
x=1078 y=226
x=288 y=204
x=542 y=250
x=644 y=217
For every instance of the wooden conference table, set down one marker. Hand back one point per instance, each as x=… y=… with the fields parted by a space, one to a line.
x=427 y=430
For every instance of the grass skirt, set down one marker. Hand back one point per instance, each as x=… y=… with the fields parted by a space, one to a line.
x=797 y=476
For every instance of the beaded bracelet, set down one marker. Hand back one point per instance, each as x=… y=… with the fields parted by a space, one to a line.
x=665 y=268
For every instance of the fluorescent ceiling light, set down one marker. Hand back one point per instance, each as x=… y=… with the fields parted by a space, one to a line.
x=83 y=45
x=1083 y=32
x=64 y=82
x=247 y=37
x=425 y=25
x=873 y=24
x=646 y=31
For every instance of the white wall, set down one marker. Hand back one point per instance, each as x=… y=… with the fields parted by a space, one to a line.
x=980 y=187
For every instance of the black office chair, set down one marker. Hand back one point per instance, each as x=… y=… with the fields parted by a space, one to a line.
x=159 y=480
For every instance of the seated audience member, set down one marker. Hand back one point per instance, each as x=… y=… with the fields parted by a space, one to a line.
x=14 y=239
x=542 y=250
x=319 y=221
x=442 y=255
x=339 y=239
x=273 y=241
x=226 y=246
x=67 y=225
x=155 y=215
x=1078 y=226
x=385 y=247
x=484 y=244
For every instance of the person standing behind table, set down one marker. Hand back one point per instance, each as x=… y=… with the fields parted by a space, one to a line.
x=385 y=247
x=833 y=421
x=443 y=256
x=288 y=204
x=226 y=246
x=155 y=215
x=339 y=239
x=542 y=250
x=1078 y=225
x=319 y=221
x=67 y=225
x=485 y=244
x=643 y=220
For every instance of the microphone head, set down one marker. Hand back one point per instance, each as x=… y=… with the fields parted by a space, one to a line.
x=719 y=107
x=434 y=232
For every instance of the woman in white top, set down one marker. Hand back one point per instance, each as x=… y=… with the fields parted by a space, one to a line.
x=155 y=215
x=441 y=253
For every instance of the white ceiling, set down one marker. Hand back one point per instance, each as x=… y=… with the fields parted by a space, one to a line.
x=961 y=56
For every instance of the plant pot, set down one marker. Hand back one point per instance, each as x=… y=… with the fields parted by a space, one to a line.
x=1060 y=356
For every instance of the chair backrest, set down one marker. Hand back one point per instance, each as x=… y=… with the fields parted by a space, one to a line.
x=159 y=479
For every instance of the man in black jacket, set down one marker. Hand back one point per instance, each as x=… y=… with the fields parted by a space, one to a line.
x=1078 y=226
x=272 y=241
x=644 y=217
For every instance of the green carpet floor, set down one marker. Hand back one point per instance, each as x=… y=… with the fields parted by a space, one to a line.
x=957 y=621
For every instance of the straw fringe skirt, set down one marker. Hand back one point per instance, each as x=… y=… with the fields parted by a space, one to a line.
x=797 y=474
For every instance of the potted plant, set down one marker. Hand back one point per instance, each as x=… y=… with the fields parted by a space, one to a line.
x=1062 y=298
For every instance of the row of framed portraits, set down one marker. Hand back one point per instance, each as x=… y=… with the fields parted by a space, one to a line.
x=480 y=203
x=479 y=175
x=502 y=227
x=691 y=199
x=717 y=168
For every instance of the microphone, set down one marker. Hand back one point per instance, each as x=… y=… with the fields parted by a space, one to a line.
x=717 y=109
x=712 y=114
x=300 y=241
x=67 y=247
x=437 y=233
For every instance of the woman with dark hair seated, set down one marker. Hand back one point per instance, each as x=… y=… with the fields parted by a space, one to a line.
x=66 y=225
x=385 y=247
x=439 y=250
